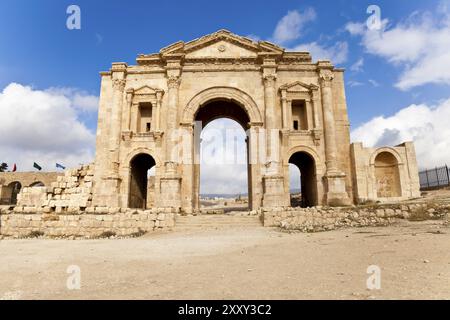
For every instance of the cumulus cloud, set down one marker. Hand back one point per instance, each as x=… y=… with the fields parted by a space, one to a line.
x=426 y=125
x=223 y=158
x=419 y=45
x=43 y=126
x=290 y=26
x=337 y=53
x=358 y=65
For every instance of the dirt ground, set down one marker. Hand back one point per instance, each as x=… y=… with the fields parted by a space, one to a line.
x=255 y=263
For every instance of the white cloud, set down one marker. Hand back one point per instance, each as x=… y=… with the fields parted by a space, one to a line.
x=336 y=53
x=373 y=83
x=223 y=158
x=355 y=28
x=358 y=65
x=353 y=83
x=43 y=126
x=290 y=26
x=426 y=125
x=419 y=45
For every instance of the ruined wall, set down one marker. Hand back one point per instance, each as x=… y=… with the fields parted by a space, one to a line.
x=28 y=178
x=71 y=191
x=95 y=222
x=324 y=219
x=386 y=174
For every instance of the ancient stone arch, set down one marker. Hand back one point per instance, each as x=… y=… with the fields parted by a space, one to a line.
x=222 y=93
x=293 y=105
x=388 y=150
x=386 y=168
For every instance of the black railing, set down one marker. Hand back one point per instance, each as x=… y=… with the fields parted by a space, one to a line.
x=434 y=178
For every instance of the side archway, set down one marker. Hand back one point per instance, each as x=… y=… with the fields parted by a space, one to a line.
x=307 y=163
x=139 y=180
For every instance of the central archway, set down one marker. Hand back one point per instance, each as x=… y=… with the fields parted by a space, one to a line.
x=223 y=109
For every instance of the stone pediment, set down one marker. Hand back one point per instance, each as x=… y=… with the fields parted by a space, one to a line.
x=298 y=87
x=219 y=45
x=146 y=90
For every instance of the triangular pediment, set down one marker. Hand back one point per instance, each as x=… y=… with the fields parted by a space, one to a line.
x=221 y=44
x=146 y=90
x=298 y=86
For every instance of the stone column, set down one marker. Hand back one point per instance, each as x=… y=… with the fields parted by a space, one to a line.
x=284 y=108
x=173 y=83
x=326 y=78
x=256 y=152
x=108 y=188
x=116 y=125
x=270 y=117
x=188 y=183
x=158 y=111
x=336 y=193
x=273 y=180
x=130 y=93
x=171 y=181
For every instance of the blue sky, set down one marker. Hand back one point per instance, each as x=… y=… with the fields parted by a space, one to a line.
x=39 y=50
x=41 y=55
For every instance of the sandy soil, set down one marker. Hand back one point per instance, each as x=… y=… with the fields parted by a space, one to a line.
x=255 y=263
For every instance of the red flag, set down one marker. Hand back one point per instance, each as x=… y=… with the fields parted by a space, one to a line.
x=14 y=168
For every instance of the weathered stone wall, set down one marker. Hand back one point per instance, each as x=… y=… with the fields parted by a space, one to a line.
x=325 y=218
x=372 y=179
x=92 y=223
x=71 y=190
x=26 y=179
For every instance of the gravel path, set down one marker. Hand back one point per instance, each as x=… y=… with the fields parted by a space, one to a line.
x=247 y=263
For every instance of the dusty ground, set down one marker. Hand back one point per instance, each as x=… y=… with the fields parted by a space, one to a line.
x=254 y=263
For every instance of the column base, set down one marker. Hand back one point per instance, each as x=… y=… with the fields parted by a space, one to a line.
x=274 y=196
x=108 y=192
x=336 y=192
x=170 y=196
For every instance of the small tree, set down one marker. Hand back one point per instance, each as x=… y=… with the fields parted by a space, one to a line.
x=3 y=167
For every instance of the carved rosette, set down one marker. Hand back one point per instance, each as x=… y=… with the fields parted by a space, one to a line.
x=326 y=77
x=119 y=84
x=173 y=82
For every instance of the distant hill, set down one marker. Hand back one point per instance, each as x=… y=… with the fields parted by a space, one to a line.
x=233 y=195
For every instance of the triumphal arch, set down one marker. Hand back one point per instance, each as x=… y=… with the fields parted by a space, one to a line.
x=293 y=110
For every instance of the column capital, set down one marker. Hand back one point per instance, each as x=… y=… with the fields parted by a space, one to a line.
x=119 y=84
x=326 y=77
x=269 y=79
x=173 y=82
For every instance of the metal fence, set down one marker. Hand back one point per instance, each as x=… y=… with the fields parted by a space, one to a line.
x=435 y=178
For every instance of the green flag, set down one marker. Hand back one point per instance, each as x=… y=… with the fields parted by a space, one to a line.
x=35 y=165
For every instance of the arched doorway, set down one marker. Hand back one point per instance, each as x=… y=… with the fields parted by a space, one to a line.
x=387 y=175
x=14 y=189
x=140 y=171
x=231 y=139
x=307 y=195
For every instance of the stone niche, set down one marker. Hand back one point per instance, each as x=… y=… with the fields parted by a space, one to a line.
x=385 y=174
